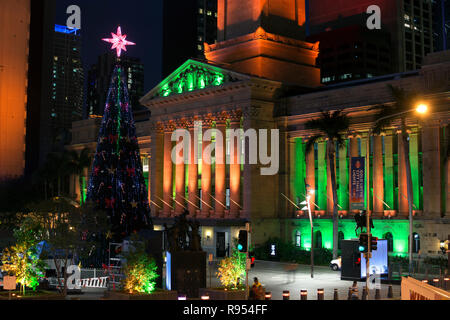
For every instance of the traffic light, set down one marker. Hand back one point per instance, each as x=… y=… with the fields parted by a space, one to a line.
x=373 y=243
x=242 y=241
x=364 y=243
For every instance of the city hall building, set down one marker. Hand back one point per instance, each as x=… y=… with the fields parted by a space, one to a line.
x=262 y=76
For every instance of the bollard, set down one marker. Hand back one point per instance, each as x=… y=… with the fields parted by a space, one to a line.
x=268 y=296
x=205 y=297
x=336 y=294
x=436 y=283
x=304 y=295
x=446 y=283
x=364 y=294
x=182 y=297
x=286 y=295
x=377 y=294
x=390 y=292
x=320 y=294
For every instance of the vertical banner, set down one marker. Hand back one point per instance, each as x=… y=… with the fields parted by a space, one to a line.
x=357 y=183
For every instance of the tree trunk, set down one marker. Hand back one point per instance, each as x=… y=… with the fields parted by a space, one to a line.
x=408 y=186
x=331 y=153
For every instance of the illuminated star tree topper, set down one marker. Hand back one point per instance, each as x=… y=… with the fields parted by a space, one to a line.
x=119 y=41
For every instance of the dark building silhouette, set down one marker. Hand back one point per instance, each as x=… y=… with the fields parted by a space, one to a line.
x=99 y=81
x=38 y=120
x=406 y=31
x=187 y=25
x=441 y=24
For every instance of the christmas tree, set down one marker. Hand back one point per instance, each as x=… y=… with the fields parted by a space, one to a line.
x=117 y=183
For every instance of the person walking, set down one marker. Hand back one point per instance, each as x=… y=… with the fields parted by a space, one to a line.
x=256 y=292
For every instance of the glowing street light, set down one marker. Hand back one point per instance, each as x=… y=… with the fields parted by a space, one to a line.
x=422 y=108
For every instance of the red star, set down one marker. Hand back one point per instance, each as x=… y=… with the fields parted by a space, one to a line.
x=119 y=41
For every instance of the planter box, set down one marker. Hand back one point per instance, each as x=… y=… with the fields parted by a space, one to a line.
x=157 y=295
x=221 y=294
x=45 y=295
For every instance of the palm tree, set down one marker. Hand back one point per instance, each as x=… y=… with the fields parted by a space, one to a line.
x=332 y=127
x=78 y=164
x=403 y=105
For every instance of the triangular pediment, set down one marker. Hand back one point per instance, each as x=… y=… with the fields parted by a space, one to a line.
x=192 y=76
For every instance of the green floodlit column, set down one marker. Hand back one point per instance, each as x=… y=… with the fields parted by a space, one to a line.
x=343 y=177
x=300 y=170
x=322 y=177
x=388 y=171
x=415 y=170
x=366 y=174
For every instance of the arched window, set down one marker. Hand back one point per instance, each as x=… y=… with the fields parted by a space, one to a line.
x=298 y=239
x=318 y=240
x=390 y=239
x=415 y=243
x=340 y=238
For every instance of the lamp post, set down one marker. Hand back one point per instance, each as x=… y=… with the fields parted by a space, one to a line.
x=308 y=207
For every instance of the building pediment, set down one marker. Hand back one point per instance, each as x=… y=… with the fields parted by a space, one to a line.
x=193 y=76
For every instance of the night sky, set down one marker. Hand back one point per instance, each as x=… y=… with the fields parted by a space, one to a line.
x=141 y=21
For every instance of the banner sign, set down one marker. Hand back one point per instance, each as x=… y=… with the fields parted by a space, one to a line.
x=413 y=289
x=357 y=176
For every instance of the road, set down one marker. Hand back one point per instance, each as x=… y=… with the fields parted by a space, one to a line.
x=275 y=280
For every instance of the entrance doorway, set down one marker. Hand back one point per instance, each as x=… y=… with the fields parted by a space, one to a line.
x=220 y=245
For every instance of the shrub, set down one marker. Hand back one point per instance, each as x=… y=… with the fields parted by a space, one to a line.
x=231 y=269
x=140 y=272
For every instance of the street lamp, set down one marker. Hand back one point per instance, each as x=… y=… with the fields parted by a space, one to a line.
x=308 y=207
x=420 y=108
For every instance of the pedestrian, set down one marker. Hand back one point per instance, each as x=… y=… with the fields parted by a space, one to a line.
x=256 y=292
x=354 y=291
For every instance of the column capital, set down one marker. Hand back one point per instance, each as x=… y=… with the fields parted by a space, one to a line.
x=235 y=116
x=169 y=126
x=157 y=127
x=221 y=118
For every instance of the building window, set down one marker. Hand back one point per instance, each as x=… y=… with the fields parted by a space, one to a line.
x=298 y=239
x=340 y=238
x=318 y=240
x=200 y=10
x=390 y=239
x=415 y=243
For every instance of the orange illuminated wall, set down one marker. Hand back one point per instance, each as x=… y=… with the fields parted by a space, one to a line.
x=14 y=37
x=236 y=19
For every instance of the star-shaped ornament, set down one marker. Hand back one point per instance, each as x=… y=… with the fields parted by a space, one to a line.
x=119 y=41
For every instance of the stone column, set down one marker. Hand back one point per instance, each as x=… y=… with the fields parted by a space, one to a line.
x=168 y=174
x=343 y=176
x=235 y=169
x=378 y=181
x=330 y=202
x=206 y=172
x=311 y=176
x=431 y=170
x=193 y=204
x=180 y=176
x=402 y=186
x=220 y=172
x=156 y=170
x=389 y=170
x=353 y=152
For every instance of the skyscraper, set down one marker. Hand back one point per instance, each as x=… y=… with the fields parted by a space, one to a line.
x=99 y=78
x=404 y=40
x=67 y=81
x=441 y=24
x=187 y=25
